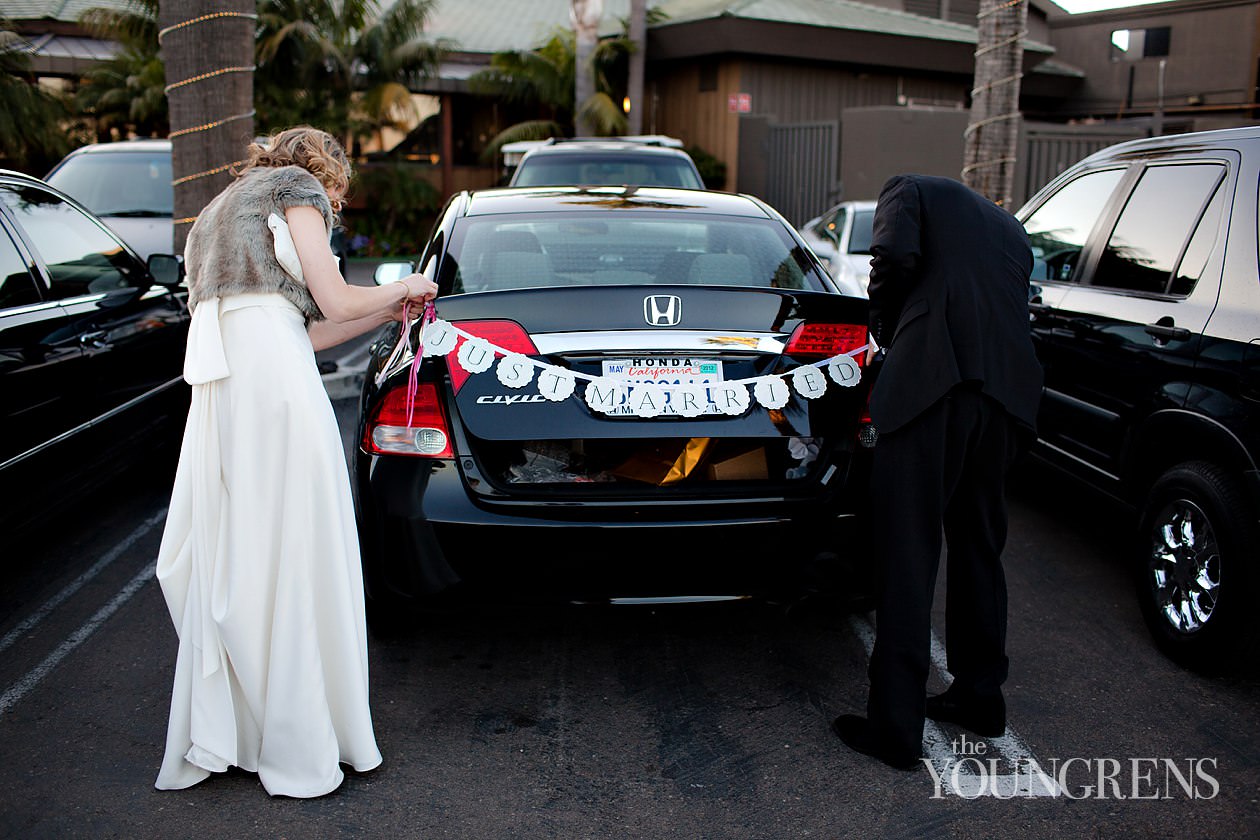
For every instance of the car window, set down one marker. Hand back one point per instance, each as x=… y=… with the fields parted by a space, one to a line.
x=606 y=169
x=17 y=287
x=118 y=184
x=860 y=236
x=1154 y=226
x=828 y=226
x=1057 y=231
x=80 y=256
x=1200 y=248
x=489 y=253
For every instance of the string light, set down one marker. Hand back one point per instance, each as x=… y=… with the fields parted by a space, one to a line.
x=206 y=173
x=212 y=16
x=210 y=125
x=210 y=75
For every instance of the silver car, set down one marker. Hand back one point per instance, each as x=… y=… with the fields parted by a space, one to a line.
x=841 y=238
x=128 y=186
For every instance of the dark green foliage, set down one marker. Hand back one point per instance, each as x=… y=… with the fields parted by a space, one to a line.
x=712 y=170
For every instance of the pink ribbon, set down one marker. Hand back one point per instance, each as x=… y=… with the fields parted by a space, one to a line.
x=427 y=317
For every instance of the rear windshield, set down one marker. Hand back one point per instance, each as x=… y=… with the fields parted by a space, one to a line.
x=606 y=169
x=491 y=253
x=119 y=184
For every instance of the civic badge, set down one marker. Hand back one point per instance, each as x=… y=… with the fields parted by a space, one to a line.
x=662 y=310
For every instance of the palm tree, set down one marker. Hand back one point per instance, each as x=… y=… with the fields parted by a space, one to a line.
x=31 y=118
x=636 y=31
x=346 y=67
x=545 y=78
x=208 y=51
x=126 y=94
x=992 y=134
x=585 y=15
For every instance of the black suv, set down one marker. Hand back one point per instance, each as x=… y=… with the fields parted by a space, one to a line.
x=1146 y=314
x=591 y=161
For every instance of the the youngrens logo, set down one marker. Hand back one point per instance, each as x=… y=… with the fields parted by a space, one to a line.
x=974 y=773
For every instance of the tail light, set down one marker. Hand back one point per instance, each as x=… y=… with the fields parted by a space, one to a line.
x=825 y=340
x=867 y=435
x=428 y=436
x=507 y=335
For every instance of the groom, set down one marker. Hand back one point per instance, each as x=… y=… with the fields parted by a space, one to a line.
x=956 y=398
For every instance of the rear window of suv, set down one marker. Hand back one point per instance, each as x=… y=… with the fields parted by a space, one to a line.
x=548 y=170
x=493 y=253
x=118 y=183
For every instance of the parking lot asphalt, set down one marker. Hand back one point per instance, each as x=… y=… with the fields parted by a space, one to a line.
x=693 y=721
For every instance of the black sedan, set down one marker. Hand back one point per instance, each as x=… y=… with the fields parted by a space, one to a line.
x=91 y=351
x=628 y=394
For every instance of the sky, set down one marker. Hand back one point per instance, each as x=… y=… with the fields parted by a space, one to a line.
x=1097 y=5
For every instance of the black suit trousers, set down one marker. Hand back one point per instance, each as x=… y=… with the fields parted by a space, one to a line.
x=943 y=472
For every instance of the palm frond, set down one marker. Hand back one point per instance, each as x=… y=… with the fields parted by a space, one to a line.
x=604 y=115
x=529 y=130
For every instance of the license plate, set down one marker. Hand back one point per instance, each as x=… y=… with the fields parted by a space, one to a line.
x=664 y=371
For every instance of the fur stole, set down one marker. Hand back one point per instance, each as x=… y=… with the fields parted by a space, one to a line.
x=230 y=249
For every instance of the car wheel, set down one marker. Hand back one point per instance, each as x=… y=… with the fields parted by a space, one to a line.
x=1194 y=579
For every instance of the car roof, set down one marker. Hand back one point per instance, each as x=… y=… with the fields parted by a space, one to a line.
x=578 y=147
x=615 y=198
x=150 y=146
x=1188 y=142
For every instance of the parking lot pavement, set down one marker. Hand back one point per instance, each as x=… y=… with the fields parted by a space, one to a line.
x=702 y=721
x=342 y=366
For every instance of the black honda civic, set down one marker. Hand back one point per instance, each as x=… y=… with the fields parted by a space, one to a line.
x=628 y=395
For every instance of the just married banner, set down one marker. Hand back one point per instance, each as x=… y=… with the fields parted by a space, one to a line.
x=608 y=394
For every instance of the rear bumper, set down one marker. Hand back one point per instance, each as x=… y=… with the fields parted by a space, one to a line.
x=423 y=534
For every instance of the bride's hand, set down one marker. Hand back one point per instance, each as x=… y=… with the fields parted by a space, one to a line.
x=419 y=288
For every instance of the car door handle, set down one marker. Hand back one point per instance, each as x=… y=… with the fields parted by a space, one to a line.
x=1165 y=330
x=95 y=339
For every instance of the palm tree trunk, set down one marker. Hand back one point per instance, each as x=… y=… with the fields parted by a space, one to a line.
x=992 y=135
x=634 y=89
x=585 y=15
x=208 y=49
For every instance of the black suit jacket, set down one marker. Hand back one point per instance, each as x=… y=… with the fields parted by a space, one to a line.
x=949 y=300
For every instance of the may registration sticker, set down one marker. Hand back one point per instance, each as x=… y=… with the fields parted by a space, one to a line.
x=663 y=371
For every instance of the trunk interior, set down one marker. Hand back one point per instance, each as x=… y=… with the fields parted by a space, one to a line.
x=628 y=465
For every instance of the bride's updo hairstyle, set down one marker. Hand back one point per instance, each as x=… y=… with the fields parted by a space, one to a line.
x=318 y=152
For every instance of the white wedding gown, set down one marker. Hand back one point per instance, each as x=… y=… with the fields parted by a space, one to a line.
x=259 y=564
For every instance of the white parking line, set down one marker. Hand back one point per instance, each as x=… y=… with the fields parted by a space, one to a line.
x=955 y=773
x=73 y=586
x=1010 y=745
x=22 y=687
x=936 y=744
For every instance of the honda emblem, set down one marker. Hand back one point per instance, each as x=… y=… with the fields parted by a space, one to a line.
x=662 y=310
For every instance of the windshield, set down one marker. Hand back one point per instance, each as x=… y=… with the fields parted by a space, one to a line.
x=860 y=236
x=491 y=253
x=604 y=168
x=118 y=184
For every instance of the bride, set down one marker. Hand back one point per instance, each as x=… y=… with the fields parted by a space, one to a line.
x=259 y=562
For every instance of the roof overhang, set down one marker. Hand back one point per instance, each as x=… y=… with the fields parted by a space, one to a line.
x=736 y=36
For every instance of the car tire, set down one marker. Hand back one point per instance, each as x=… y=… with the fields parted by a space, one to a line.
x=1193 y=574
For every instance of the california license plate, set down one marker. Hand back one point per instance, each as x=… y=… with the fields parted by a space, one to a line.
x=664 y=371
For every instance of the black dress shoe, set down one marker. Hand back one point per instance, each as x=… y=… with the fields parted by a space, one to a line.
x=982 y=715
x=856 y=733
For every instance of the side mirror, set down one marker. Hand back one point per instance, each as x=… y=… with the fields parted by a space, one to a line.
x=166 y=269
x=392 y=272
